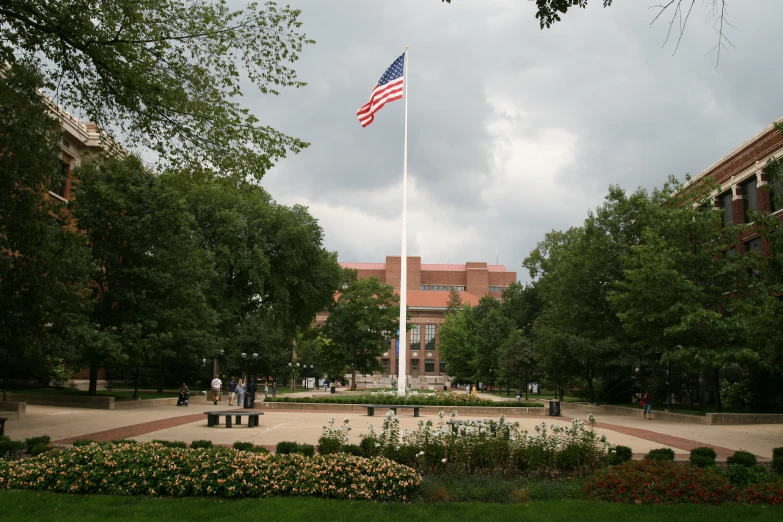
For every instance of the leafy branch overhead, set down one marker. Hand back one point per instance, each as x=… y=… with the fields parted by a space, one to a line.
x=549 y=11
x=166 y=74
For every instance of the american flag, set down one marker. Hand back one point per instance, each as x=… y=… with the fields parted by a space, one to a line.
x=388 y=88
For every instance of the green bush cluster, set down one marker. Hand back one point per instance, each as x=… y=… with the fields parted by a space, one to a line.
x=201 y=444
x=742 y=458
x=417 y=400
x=291 y=448
x=742 y=476
x=618 y=455
x=82 y=442
x=8 y=447
x=703 y=457
x=151 y=469
x=660 y=454
x=170 y=443
x=777 y=460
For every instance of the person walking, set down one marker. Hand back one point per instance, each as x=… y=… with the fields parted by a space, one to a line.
x=266 y=390
x=647 y=405
x=216 y=386
x=274 y=389
x=232 y=391
x=251 y=393
x=241 y=392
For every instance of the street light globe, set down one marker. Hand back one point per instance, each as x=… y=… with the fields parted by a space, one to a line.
x=243 y=355
x=297 y=365
x=255 y=356
x=289 y=365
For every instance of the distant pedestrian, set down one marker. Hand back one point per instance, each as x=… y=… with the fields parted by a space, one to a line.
x=647 y=405
x=241 y=386
x=274 y=389
x=326 y=384
x=266 y=390
x=232 y=391
x=251 y=393
x=216 y=386
x=184 y=395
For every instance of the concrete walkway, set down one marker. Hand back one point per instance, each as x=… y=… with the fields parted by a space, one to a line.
x=64 y=425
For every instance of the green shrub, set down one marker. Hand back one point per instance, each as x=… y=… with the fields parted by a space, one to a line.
x=613 y=459
x=624 y=452
x=10 y=446
x=370 y=446
x=705 y=451
x=660 y=454
x=658 y=482
x=308 y=450
x=170 y=443
x=743 y=458
x=286 y=447
x=260 y=450
x=201 y=444
x=39 y=448
x=777 y=453
x=570 y=458
x=32 y=442
x=82 y=442
x=352 y=449
x=149 y=469
x=243 y=446
x=702 y=461
x=741 y=476
x=122 y=441
x=777 y=460
x=328 y=446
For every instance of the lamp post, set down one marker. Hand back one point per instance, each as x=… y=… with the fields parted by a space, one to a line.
x=670 y=408
x=491 y=379
x=293 y=375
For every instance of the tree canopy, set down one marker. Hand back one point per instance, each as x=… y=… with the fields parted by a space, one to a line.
x=164 y=74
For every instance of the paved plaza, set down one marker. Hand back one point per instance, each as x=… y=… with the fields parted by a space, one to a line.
x=64 y=425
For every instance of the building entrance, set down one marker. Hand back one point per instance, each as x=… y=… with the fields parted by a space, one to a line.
x=415 y=368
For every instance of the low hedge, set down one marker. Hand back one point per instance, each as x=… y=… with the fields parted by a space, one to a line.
x=777 y=460
x=660 y=454
x=742 y=458
x=703 y=456
x=419 y=401
x=151 y=469
x=659 y=482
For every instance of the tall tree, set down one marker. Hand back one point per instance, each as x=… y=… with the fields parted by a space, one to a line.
x=149 y=302
x=454 y=304
x=43 y=265
x=359 y=324
x=165 y=74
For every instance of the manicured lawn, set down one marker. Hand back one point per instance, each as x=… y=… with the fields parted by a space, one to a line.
x=119 y=395
x=32 y=506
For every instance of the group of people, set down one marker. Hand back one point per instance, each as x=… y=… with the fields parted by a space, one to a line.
x=238 y=388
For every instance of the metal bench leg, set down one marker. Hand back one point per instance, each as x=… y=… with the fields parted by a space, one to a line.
x=415 y=412
x=370 y=412
x=238 y=420
x=254 y=422
x=228 y=421
x=210 y=420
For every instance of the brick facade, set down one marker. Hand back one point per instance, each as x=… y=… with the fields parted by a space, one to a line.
x=428 y=288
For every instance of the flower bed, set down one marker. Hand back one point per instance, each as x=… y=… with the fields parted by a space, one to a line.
x=423 y=399
x=151 y=469
x=659 y=482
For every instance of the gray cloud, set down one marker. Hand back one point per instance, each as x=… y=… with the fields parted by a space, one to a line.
x=513 y=131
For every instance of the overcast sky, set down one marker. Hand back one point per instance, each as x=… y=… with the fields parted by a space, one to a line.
x=513 y=131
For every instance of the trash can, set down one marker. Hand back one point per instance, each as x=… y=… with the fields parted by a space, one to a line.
x=445 y=388
x=333 y=389
x=2 y=426
x=554 y=408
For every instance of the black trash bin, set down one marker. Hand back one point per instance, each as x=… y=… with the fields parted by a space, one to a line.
x=554 y=408
x=2 y=426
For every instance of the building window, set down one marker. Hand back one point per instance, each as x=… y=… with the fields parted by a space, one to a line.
x=728 y=209
x=750 y=197
x=754 y=245
x=429 y=337
x=60 y=184
x=385 y=364
x=424 y=287
x=458 y=288
x=429 y=365
x=439 y=287
x=495 y=288
x=415 y=337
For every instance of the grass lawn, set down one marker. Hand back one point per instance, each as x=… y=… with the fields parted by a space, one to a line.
x=119 y=395
x=33 y=506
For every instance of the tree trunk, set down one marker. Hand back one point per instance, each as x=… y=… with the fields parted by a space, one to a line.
x=716 y=378
x=93 y=390
x=561 y=390
x=136 y=385
x=353 y=376
x=590 y=390
x=161 y=376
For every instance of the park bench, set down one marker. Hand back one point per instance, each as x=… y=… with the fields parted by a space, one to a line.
x=213 y=417
x=392 y=407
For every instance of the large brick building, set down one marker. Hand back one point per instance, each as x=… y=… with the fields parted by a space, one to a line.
x=428 y=288
x=742 y=184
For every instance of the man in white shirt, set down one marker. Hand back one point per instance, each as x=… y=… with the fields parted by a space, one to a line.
x=217 y=384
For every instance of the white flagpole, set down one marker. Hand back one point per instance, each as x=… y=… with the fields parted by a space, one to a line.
x=402 y=360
